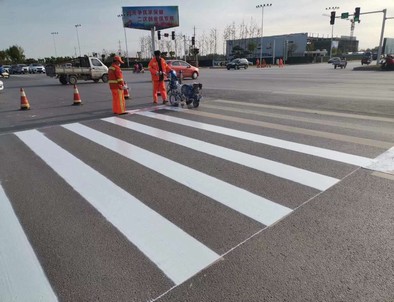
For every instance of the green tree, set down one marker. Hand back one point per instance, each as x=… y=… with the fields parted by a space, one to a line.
x=252 y=46
x=3 y=57
x=239 y=52
x=16 y=54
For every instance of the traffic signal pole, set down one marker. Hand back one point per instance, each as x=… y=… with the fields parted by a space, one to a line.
x=384 y=11
x=332 y=22
x=382 y=31
x=381 y=37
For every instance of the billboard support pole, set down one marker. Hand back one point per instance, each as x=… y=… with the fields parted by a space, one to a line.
x=184 y=45
x=153 y=39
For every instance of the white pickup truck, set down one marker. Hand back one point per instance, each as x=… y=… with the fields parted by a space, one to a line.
x=82 y=68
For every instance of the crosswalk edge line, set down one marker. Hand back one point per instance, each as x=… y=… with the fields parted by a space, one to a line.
x=21 y=275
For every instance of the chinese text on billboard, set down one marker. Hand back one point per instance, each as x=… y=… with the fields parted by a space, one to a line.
x=147 y=17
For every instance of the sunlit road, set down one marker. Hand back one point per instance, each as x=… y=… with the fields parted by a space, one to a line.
x=279 y=187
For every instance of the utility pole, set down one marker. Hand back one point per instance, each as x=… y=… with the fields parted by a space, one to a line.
x=125 y=40
x=54 y=43
x=79 y=46
x=262 y=23
x=119 y=49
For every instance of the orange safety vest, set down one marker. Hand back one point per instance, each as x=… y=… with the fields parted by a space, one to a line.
x=115 y=77
x=154 y=68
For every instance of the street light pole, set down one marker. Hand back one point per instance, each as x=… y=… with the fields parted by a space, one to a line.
x=125 y=39
x=262 y=23
x=333 y=9
x=54 y=43
x=79 y=46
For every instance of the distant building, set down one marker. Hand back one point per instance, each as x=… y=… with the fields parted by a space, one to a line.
x=290 y=45
x=388 y=46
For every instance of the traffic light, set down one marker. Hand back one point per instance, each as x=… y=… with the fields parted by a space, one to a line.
x=357 y=15
x=158 y=35
x=193 y=41
x=332 y=19
x=173 y=35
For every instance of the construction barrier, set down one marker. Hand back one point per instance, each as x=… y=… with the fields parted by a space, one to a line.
x=24 y=101
x=77 y=98
x=126 y=91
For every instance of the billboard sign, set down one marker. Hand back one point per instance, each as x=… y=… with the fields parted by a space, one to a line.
x=147 y=17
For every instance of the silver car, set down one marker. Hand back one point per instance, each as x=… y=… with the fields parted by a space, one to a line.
x=36 y=68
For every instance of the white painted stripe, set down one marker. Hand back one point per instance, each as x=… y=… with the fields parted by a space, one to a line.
x=316 y=119
x=176 y=253
x=315 y=151
x=313 y=111
x=384 y=162
x=307 y=178
x=21 y=275
x=245 y=202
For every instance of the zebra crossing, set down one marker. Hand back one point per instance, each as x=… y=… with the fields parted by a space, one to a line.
x=155 y=220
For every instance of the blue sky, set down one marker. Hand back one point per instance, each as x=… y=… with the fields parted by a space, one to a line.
x=29 y=23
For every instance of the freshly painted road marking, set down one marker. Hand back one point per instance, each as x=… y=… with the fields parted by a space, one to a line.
x=315 y=151
x=176 y=253
x=316 y=119
x=304 y=110
x=303 y=131
x=307 y=178
x=240 y=200
x=384 y=162
x=21 y=275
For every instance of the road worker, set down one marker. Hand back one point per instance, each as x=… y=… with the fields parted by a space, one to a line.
x=117 y=85
x=158 y=69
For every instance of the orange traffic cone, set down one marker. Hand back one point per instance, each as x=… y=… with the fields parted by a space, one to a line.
x=24 y=101
x=126 y=91
x=77 y=98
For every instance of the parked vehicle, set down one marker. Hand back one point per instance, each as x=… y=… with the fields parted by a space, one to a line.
x=4 y=73
x=188 y=71
x=1 y=86
x=82 y=68
x=238 y=63
x=36 y=68
x=13 y=69
x=19 y=69
x=6 y=68
x=387 y=62
x=23 y=68
x=342 y=63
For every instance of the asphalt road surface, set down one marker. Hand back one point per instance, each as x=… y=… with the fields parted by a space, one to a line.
x=279 y=187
